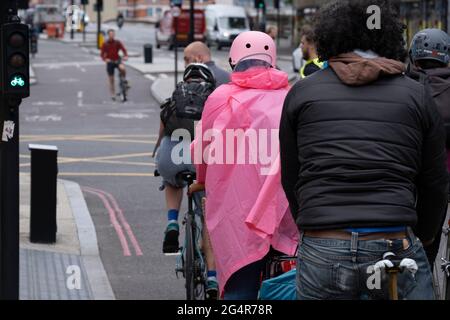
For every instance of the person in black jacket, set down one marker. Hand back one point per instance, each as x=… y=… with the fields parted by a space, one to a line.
x=429 y=64
x=363 y=160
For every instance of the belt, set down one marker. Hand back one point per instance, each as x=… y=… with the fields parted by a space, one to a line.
x=345 y=235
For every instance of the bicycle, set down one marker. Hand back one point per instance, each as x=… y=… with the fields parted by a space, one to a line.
x=445 y=265
x=278 y=278
x=192 y=263
x=122 y=83
x=393 y=265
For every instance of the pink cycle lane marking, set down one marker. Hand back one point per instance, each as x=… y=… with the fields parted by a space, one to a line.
x=112 y=217
x=122 y=220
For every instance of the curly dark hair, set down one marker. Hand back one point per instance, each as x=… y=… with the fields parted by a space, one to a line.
x=341 y=27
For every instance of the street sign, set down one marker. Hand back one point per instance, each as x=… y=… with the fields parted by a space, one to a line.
x=176 y=11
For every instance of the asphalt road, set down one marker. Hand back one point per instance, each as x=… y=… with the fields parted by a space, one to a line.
x=105 y=147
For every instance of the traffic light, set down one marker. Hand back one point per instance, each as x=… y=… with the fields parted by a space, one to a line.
x=22 y=4
x=98 y=6
x=276 y=4
x=260 y=4
x=15 y=58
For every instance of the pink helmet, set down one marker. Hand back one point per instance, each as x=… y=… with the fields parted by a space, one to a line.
x=253 y=45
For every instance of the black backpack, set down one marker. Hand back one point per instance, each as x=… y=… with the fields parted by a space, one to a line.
x=190 y=95
x=187 y=101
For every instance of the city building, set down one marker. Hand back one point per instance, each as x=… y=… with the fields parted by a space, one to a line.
x=416 y=14
x=151 y=10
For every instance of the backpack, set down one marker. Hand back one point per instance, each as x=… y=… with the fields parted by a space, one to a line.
x=187 y=101
x=191 y=94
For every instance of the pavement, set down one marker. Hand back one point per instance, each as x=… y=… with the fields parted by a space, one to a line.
x=48 y=270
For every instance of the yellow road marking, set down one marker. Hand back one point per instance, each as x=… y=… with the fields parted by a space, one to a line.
x=103 y=159
x=107 y=159
x=104 y=174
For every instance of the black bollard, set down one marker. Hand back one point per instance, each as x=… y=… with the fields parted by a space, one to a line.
x=148 y=53
x=44 y=171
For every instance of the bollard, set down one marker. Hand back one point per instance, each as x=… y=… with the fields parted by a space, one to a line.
x=44 y=171
x=148 y=53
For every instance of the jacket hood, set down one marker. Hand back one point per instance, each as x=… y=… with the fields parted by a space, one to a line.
x=354 y=70
x=261 y=78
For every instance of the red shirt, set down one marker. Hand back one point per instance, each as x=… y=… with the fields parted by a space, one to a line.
x=110 y=50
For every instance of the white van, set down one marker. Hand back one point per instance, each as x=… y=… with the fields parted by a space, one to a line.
x=224 y=23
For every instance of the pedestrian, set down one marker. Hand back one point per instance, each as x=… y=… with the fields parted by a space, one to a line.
x=247 y=212
x=272 y=32
x=309 y=52
x=363 y=159
x=429 y=64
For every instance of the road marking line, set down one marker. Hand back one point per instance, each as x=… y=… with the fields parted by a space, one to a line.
x=47 y=103
x=112 y=217
x=57 y=65
x=80 y=98
x=64 y=136
x=150 y=77
x=104 y=174
x=122 y=220
x=163 y=76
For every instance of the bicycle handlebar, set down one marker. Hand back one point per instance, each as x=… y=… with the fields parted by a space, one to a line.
x=391 y=263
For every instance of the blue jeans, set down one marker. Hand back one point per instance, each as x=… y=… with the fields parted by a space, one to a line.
x=341 y=269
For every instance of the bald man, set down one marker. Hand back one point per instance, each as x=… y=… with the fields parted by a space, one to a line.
x=198 y=52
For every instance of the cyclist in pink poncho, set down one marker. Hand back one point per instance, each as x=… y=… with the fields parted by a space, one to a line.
x=236 y=153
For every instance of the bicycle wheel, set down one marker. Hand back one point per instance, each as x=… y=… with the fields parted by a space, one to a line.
x=123 y=90
x=190 y=258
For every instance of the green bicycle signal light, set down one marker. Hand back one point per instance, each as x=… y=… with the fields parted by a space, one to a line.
x=17 y=81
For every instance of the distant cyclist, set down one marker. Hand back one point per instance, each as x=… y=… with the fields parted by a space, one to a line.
x=110 y=54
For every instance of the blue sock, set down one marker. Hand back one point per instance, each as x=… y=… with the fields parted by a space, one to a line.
x=212 y=273
x=172 y=214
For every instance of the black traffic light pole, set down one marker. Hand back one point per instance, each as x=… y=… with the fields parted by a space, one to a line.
x=99 y=21
x=84 y=22
x=191 y=21
x=9 y=154
x=72 y=32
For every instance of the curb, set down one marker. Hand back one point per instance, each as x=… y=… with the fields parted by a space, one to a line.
x=97 y=277
x=154 y=92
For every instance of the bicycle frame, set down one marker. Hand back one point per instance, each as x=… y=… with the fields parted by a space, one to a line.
x=445 y=266
x=191 y=263
x=195 y=269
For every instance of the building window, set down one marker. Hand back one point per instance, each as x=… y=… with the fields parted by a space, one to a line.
x=150 y=12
